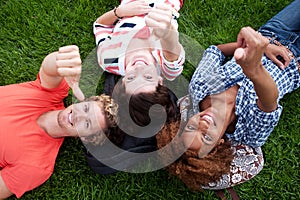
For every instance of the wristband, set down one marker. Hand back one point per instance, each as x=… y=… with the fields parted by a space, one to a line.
x=115 y=12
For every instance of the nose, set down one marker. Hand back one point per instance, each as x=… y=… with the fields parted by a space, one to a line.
x=79 y=115
x=139 y=66
x=191 y=141
x=203 y=125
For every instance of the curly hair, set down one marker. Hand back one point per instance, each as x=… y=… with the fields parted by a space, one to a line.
x=189 y=168
x=110 y=110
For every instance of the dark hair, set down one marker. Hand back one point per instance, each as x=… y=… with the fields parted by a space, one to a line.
x=189 y=168
x=139 y=110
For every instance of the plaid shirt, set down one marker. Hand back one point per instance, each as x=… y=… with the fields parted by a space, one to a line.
x=213 y=76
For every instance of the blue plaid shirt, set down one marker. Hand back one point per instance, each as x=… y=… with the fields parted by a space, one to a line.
x=213 y=76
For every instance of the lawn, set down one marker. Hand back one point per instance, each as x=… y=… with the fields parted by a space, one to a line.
x=30 y=29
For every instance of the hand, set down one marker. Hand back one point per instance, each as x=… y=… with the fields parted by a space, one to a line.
x=160 y=18
x=134 y=8
x=279 y=55
x=68 y=64
x=251 y=46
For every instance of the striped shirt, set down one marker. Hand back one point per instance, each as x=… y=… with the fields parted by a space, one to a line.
x=212 y=76
x=112 y=42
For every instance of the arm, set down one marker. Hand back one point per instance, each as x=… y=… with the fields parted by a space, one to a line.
x=134 y=8
x=65 y=63
x=228 y=48
x=4 y=191
x=251 y=46
x=160 y=18
x=278 y=54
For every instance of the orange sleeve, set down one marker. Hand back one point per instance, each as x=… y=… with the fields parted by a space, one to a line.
x=22 y=178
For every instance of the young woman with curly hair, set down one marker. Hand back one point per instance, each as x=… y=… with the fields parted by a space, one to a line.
x=239 y=99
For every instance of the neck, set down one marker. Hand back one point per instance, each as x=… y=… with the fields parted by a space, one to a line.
x=49 y=123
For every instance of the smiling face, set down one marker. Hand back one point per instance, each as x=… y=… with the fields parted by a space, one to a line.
x=82 y=119
x=141 y=74
x=204 y=131
x=141 y=77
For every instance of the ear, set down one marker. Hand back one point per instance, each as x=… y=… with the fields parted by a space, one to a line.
x=160 y=80
x=84 y=139
x=221 y=141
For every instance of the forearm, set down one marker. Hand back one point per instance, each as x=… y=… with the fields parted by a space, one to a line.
x=171 y=46
x=108 y=18
x=265 y=88
x=228 y=48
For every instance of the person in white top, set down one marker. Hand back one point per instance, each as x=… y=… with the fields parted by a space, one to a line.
x=139 y=40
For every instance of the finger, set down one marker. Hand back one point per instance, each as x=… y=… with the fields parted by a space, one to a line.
x=163 y=7
x=287 y=57
x=248 y=36
x=68 y=63
x=69 y=71
x=67 y=55
x=77 y=91
x=239 y=54
x=279 y=63
x=241 y=38
x=151 y=23
x=163 y=18
x=68 y=48
x=160 y=13
x=156 y=24
x=241 y=42
x=166 y=9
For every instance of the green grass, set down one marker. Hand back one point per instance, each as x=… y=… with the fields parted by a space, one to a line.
x=29 y=30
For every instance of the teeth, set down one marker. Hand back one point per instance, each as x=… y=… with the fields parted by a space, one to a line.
x=209 y=119
x=70 y=118
x=139 y=62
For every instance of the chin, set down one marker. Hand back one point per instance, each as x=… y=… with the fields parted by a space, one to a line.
x=61 y=119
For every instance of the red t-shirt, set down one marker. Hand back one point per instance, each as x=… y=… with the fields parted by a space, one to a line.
x=27 y=152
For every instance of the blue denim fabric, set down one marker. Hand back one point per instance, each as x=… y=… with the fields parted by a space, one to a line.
x=285 y=28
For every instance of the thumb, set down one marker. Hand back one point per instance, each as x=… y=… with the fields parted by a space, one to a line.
x=77 y=92
x=239 y=54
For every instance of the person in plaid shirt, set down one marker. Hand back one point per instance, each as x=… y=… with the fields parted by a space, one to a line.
x=241 y=97
x=233 y=106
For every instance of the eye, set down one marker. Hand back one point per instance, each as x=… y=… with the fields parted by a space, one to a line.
x=190 y=128
x=87 y=123
x=130 y=78
x=207 y=138
x=86 y=108
x=148 y=77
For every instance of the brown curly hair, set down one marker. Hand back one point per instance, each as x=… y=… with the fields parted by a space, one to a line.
x=110 y=110
x=191 y=170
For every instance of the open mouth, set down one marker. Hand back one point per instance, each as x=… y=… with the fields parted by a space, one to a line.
x=209 y=119
x=139 y=62
x=70 y=118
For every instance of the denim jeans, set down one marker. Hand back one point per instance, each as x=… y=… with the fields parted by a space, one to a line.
x=285 y=28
